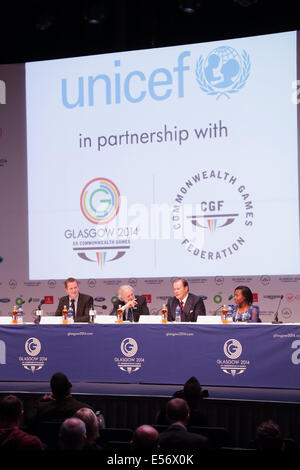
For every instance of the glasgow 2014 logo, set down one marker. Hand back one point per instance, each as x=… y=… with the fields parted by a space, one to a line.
x=233 y=365
x=223 y=72
x=128 y=362
x=100 y=201
x=33 y=362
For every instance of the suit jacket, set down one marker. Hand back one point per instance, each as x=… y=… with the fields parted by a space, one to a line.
x=84 y=304
x=177 y=437
x=194 y=306
x=141 y=308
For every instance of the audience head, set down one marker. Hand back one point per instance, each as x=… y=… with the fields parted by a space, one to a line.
x=269 y=436
x=192 y=392
x=145 y=439
x=91 y=423
x=60 y=385
x=178 y=411
x=11 y=411
x=72 y=434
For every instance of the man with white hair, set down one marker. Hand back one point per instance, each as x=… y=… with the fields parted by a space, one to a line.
x=72 y=434
x=132 y=305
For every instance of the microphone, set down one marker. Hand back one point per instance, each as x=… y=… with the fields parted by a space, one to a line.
x=276 y=321
x=40 y=304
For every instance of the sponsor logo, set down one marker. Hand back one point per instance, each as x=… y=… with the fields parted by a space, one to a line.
x=51 y=283
x=148 y=298
x=12 y=283
x=233 y=365
x=265 y=280
x=223 y=72
x=218 y=299
x=211 y=228
x=286 y=313
x=92 y=283
x=219 y=280
x=128 y=362
x=5 y=300
x=32 y=362
x=49 y=299
x=291 y=297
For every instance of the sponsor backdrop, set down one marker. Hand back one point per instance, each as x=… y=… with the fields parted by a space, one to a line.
x=142 y=166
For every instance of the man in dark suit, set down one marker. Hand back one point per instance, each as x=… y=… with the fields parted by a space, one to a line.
x=81 y=303
x=176 y=437
x=132 y=305
x=191 y=305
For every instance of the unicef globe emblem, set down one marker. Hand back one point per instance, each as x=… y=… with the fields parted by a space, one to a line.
x=223 y=72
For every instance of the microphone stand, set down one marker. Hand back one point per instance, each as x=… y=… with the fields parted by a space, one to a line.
x=276 y=321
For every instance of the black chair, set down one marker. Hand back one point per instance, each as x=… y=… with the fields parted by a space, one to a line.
x=118 y=446
x=218 y=436
x=115 y=434
x=48 y=432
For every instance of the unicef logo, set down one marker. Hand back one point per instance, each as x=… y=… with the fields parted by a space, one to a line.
x=100 y=201
x=33 y=347
x=232 y=348
x=129 y=347
x=223 y=72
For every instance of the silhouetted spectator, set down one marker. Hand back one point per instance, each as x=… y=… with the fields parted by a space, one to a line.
x=58 y=405
x=11 y=436
x=269 y=436
x=145 y=440
x=92 y=428
x=193 y=394
x=72 y=434
x=176 y=437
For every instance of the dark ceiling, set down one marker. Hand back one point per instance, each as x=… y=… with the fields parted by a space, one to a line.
x=43 y=29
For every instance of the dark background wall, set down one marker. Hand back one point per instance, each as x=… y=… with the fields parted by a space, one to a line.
x=37 y=30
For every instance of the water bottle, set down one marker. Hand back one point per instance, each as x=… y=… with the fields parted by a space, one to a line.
x=178 y=314
x=20 y=315
x=15 y=316
x=92 y=314
x=65 y=315
x=101 y=420
x=120 y=314
x=164 y=314
x=229 y=314
x=70 y=315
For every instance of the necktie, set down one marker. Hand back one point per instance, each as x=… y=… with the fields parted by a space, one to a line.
x=129 y=314
x=181 y=305
x=73 y=306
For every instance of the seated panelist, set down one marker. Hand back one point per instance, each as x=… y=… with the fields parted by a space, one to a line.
x=132 y=305
x=243 y=310
x=81 y=303
x=191 y=305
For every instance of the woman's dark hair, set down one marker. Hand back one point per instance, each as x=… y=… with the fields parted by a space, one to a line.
x=246 y=293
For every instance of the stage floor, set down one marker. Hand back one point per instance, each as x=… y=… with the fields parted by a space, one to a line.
x=158 y=390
